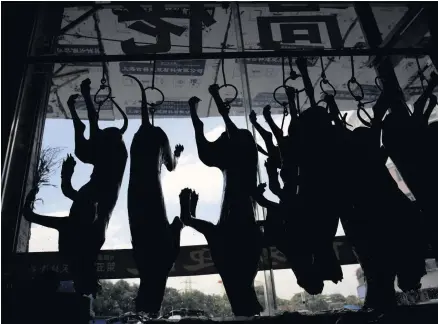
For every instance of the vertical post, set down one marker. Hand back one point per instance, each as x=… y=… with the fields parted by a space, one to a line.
x=269 y=286
x=25 y=138
x=195 y=29
x=373 y=37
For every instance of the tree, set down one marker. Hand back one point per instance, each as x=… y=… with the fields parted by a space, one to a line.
x=353 y=300
x=119 y=298
x=116 y=299
x=305 y=301
x=337 y=298
x=260 y=292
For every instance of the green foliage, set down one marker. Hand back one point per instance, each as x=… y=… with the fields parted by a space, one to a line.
x=48 y=162
x=118 y=298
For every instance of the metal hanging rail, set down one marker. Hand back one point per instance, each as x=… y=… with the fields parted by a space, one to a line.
x=228 y=55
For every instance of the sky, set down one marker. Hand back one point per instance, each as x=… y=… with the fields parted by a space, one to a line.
x=190 y=172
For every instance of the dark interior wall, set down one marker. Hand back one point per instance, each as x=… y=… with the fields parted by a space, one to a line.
x=17 y=19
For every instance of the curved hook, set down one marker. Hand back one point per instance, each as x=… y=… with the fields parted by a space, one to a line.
x=125 y=118
x=103 y=86
x=377 y=83
x=354 y=81
x=151 y=104
x=282 y=104
x=360 y=108
x=236 y=92
x=144 y=113
x=325 y=81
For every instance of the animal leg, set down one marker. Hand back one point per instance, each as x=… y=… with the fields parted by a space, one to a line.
x=209 y=152
x=66 y=175
x=91 y=111
x=48 y=221
x=266 y=136
x=83 y=148
x=278 y=133
x=223 y=109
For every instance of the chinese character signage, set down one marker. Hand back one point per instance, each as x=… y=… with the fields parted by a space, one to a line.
x=194 y=28
x=193 y=68
x=79 y=50
x=107 y=105
x=166 y=109
x=152 y=23
x=114 y=264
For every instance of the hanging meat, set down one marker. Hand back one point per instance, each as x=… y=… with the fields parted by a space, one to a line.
x=377 y=199
x=236 y=241
x=281 y=229
x=317 y=204
x=411 y=145
x=82 y=233
x=155 y=242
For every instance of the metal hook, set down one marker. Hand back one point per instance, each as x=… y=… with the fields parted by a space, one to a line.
x=103 y=86
x=377 y=83
x=324 y=80
x=360 y=108
x=151 y=104
x=354 y=81
x=229 y=101
x=293 y=75
x=283 y=104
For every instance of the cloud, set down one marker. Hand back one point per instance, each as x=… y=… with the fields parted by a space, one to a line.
x=44 y=239
x=192 y=173
x=215 y=133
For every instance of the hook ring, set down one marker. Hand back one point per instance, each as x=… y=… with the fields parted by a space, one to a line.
x=151 y=104
x=282 y=104
x=353 y=81
x=325 y=81
x=236 y=92
x=293 y=78
x=102 y=87
x=360 y=109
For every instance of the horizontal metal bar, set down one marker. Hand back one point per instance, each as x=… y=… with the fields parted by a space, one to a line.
x=227 y=55
x=251 y=4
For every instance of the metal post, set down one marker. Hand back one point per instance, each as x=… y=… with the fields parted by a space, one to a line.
x=269 y=286
x=408 y=31
x=24 y=142
x=372 y=35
